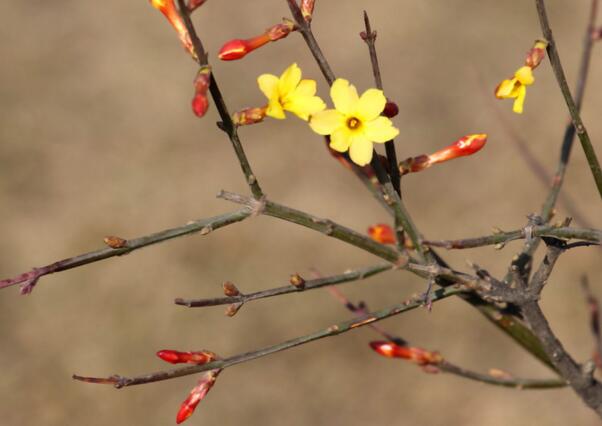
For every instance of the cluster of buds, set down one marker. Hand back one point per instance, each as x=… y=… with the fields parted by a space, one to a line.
x=516 y=87
x=203 y=386
x=414 y=354
x=168 y=8
x=464 y=146
x=249 y=116
x=237 y=48
x=200 y=101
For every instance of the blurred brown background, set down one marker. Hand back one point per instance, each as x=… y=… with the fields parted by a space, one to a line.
x=97 y=138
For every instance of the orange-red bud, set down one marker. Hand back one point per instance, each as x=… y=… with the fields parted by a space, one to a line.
x=115 y=242
x=382 y=233
x=464 y=146
x=194 y=4
x=196 y=395
x=200 y=102
x=238 y=48
x=297 y=280
x=200 y=105
x=411 y=353
x=307 y=9
x=249 y=116
x=230 y=289
x=536 y=54
x=177 y=357
x=168 y=8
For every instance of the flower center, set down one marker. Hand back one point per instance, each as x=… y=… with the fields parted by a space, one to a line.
x=353 y=123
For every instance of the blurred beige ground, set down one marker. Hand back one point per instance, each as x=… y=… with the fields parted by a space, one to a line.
x=97 y=138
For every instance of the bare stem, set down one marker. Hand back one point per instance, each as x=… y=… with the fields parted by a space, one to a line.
x=333 y=330
x=309 y=285
x=573 y=107
x=203 y=226
x=590 y=235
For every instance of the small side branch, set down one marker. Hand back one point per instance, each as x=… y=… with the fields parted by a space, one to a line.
x=203 y=226
x=333 y=330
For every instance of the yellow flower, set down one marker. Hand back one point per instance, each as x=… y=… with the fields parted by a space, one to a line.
x=290 y=93
x=355 y=123
x=516 y=88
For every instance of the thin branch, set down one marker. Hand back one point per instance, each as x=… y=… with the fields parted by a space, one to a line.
x=593 y=236
x=333 y=330
x=370 y=38
x=227 y=125
x=202 y=226
x=573 y=107
x=594 y=311
x=345 y=277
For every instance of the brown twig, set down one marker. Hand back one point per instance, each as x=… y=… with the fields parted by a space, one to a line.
x=594 y=311
x=333 y=330
x=202 y=226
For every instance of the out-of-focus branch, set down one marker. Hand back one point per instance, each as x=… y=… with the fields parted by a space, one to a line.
x=333 y=330
x=589 y=235
x=203 y=226
x=227 y=125
x=573 y=107
x=308 y=285
x=594 y=312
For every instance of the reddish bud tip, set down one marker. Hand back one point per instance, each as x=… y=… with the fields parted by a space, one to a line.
x=230 y=289
x=536 y=54
x=249 y=116
x=307 y=9
x=411 y=353
x=115 y=242
x=196 y=395
x=177 y=357
x=234 y=49
x=382 y=233
x=194 y=4
x=467 y=145
x=200 y=105
x=391 y=109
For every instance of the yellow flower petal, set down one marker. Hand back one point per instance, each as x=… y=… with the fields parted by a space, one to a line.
x=370 y=105
x=326 y=122
x=289 y=79
x=275 y=110
x=304 y=106
x=520 y=100
x=306 y=88
x=525 y=75
x=380 y=130
x=360 y=150
x=268 y=84
x=340 y=139
x=505 y=89
x=344 y=96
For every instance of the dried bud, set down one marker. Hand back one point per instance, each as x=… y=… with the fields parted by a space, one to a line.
x=196 y=395
x=382 y=233
x=307 y=9
x=230 y=289
x=411 y=353
x=297 y=280
x=194 y=4
x=249 y=116
x=233 y=309
x=238 y=48
x=536 y=54
x=168 y=8
x=115 y=242
x=177 y=357
x=391 y=109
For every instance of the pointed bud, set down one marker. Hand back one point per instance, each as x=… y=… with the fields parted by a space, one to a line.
x=297 y=280
x=200 y=102
x=307 y=9
x=249 y=116
x=194 y=4
x=382 y=233
x=238 y=48
x=196 y=395
x=536 y=54
x=233 y=309
x=391 y=109
x=115 y=242
x=230 y=289
x=411 y=353
x=177 y=357
x=168 y=8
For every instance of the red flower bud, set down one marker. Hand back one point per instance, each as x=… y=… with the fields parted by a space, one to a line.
x=196 y=395
x=168 y=8
x=411 y=353
x=177 y=357
x=382 y=233
x=536 y=54
x=391 y=109
x=238 y=49
x=194 y=4
x=249 y=116
x=200 y=103
x=307 y=9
